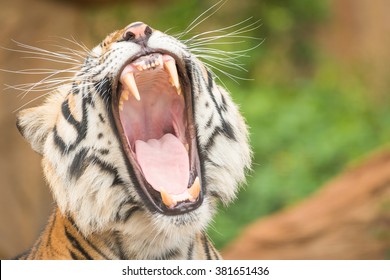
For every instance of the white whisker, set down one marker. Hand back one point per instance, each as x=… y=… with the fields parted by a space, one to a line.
x=199 y=19
x=32 y=100
x=240 y=30
x=42 y=52
x=53 y=78
x=203 y=45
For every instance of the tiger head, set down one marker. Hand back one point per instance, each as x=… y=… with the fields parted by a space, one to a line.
x=142 y=140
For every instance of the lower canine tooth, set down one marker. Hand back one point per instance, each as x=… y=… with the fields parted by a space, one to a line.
x=195 y=189
x=167 y=198
x=129 y=80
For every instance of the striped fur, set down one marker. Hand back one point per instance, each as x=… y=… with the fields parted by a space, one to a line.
x=100 y=212
x=62 y=239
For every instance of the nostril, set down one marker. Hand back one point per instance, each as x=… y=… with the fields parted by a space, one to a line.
x=148 y=31
x=128 y=36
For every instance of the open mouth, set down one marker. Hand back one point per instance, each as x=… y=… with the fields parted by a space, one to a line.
x=152 y=110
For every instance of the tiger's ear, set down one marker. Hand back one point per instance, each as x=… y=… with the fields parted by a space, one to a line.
x=34 y=126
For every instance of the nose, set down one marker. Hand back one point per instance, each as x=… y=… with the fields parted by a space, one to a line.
x=137 y=32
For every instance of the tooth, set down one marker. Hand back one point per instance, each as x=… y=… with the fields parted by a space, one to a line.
x=178 y=90
x=131 y=85
x=195 y=189
x=167 y=198
x=159 y=60
x=171 y=68
x=125 y=95
x=139 y=67
x=121 y=105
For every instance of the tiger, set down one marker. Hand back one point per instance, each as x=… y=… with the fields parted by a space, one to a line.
x=138 y=150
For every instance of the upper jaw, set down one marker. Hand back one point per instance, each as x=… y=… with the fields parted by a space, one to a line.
x=151 y=85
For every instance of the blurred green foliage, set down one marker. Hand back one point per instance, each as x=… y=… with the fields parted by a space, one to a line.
x=308 y=117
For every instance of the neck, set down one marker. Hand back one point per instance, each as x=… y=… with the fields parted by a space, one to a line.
x=63 y=240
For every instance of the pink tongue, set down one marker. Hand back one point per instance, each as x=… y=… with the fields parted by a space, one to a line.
x=165 y=163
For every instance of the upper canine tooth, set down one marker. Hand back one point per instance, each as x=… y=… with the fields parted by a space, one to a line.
x=129 y=80
x=195 y=189
x=171 y=68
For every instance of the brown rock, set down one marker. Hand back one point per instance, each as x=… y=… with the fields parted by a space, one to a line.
x=349 y=218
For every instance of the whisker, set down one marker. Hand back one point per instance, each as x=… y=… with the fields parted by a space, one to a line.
x=42 y=52
x=36 y=71
x=227 y=28
x=225 y=63
x=199 y=19
x=31 y=101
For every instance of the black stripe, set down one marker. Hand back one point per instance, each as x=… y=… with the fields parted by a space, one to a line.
x=211 y=140
x=51 y=230
x=75 y=88
x=86 y=91
x=106 y=167
x=68 y=115
x=81 y=127
x=209 y=122
x=130 y=213
x=190 y=252
x=225 y=130
x=206 y=246
x=73 y=255
x=77 y=167
x=76 y=244
x=125 y=203
x=216 y=257
x=60 y=143
x=103 y=87
x=81 y=162
x=228 y=130
x=224 y=104
x=210 y=82
x=226 y=127
x=87 y=240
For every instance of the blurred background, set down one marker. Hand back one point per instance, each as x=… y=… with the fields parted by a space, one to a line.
x=315 y=95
